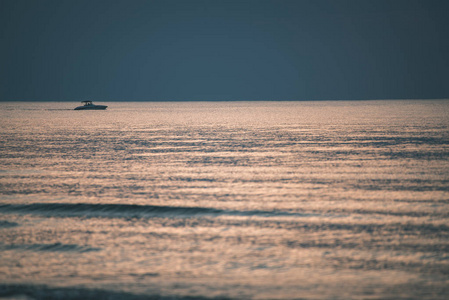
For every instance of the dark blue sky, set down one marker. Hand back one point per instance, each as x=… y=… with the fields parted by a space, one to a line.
x=223 y=50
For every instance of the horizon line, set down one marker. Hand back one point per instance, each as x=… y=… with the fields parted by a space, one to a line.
x=288 y=100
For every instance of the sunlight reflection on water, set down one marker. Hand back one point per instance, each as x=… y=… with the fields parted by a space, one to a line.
x=256 y=200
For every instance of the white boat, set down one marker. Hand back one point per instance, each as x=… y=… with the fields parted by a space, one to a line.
x=90 y=105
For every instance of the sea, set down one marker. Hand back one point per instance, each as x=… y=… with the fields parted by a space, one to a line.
x=225 y=200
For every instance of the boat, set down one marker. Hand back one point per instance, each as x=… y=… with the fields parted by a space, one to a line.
x=90 y=105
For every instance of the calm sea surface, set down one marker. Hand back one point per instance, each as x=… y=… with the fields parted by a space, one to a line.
x=240 y=200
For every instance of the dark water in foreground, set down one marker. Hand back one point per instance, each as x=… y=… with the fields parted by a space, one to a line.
x=239 y=200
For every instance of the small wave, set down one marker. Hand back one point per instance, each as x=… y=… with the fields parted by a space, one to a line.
x=128 y=211
x=106 y=210
x=41 y=292
x=55 y=247
x=6 y=224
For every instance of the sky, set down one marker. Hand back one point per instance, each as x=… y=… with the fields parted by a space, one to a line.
x=173 y=50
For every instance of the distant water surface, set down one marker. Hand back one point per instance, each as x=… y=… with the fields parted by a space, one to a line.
x=239 y=200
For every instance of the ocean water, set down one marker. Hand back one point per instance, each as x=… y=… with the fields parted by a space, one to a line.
x=232 y=200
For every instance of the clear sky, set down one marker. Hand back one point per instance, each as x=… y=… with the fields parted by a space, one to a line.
x=223 y=50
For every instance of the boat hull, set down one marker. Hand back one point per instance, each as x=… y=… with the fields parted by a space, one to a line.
x=91 y=107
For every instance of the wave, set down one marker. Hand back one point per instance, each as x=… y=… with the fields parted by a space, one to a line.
x=7 y=224
x=55 y=247
x=128 y=211
x=150 y=211
x=42 y=292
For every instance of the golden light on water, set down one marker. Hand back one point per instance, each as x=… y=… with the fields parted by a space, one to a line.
x=258 y=200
